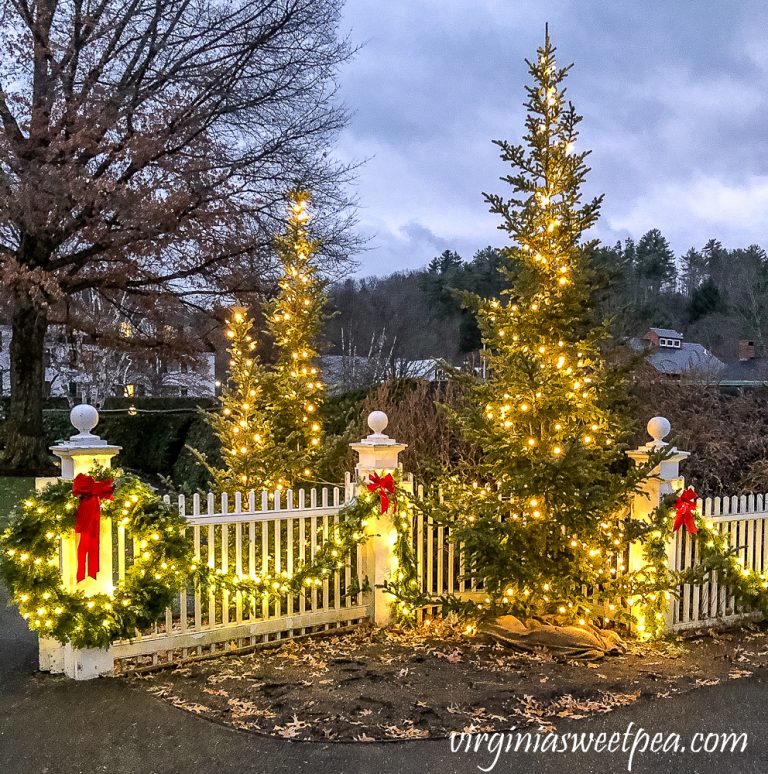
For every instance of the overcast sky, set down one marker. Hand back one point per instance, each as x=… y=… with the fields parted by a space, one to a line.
x=673 y=93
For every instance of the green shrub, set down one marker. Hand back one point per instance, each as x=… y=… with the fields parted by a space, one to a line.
x=152 y=443
x=11 y=491
x=188 y=473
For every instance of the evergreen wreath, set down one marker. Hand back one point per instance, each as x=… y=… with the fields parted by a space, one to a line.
x=164 y=562
x=29 y=563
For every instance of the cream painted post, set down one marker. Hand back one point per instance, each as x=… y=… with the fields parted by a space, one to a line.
x=378 y=453
x=664 y=479
x=81 y=454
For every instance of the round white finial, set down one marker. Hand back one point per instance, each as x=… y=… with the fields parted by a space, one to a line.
x=658 y=429
x=377 y=421
x=84 y=418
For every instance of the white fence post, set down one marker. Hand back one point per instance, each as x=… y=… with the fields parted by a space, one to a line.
x=378 y=453
x=80 y=454
x=664 y=479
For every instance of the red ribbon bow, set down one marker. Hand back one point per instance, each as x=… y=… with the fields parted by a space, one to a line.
x=685 y=507
x=87 y=525
x=385 y=486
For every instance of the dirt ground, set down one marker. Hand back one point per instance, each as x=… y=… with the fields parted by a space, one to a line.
x=388 y=684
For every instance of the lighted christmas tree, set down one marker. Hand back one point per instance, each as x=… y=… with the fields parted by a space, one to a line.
x=540 y=522
x=295 y=321
x=241 y=426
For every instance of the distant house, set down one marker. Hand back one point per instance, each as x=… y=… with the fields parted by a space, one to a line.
x=86 y=372
x=674 y=358
x=748 y=371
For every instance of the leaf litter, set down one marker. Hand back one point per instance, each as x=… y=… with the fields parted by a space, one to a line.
x=405 y=684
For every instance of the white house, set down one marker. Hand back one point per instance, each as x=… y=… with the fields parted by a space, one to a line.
x=83 y=371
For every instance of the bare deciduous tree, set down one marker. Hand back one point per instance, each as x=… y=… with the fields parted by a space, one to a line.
x=144 y=149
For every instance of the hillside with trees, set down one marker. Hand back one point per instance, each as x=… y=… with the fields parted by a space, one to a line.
x=713 y=294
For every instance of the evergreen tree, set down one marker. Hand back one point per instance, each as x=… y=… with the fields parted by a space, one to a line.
x=439 y=283
x=655 y=265
x=705 y=300
x=717 y=262
x=295 y=320
x=445 y=262
x=617 y=302
x=747 y=292
x=539 y=523
x=694 y=271
x=241 y=427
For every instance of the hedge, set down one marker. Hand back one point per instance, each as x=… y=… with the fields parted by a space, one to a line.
x=155 y=444
x=152 y=443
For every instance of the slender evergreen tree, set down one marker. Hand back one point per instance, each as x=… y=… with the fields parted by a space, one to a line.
x=539 y=523
x=242 y=427
x=295 y=321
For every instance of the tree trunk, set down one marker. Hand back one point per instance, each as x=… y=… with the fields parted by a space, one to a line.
x=25 y=450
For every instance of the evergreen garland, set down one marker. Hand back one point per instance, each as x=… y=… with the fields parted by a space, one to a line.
x=653 y=588
x=352 y=531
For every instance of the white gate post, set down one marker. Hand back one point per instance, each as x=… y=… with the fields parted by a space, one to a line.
x=80 y=454
x=663 y=480
x=378 y=454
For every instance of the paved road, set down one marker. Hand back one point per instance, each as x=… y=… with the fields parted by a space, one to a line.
x=50 y=724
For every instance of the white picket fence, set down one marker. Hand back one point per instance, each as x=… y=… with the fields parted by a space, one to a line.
x=440 y=563
x=271 y=533
x=744 y=520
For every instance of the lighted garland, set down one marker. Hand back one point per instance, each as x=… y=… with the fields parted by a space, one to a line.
x=656 y=584
x=405 y=587
x=29 y=564
x=350 y=533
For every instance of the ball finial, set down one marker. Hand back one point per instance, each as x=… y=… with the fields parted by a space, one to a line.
x=658 y=429
x=377 y=421
x=84 y=418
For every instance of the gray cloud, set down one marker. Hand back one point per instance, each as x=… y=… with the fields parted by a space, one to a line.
x=673 y=97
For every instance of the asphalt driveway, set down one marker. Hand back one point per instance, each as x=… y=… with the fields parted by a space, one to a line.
x=51 y=724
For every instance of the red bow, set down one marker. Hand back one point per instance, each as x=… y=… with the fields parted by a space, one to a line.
x=385 y=486
x=685 y=507
x=87 y=524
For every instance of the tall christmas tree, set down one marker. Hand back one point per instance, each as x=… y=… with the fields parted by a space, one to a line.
x=540 y=522
x=241 y=426
x=295 y=321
